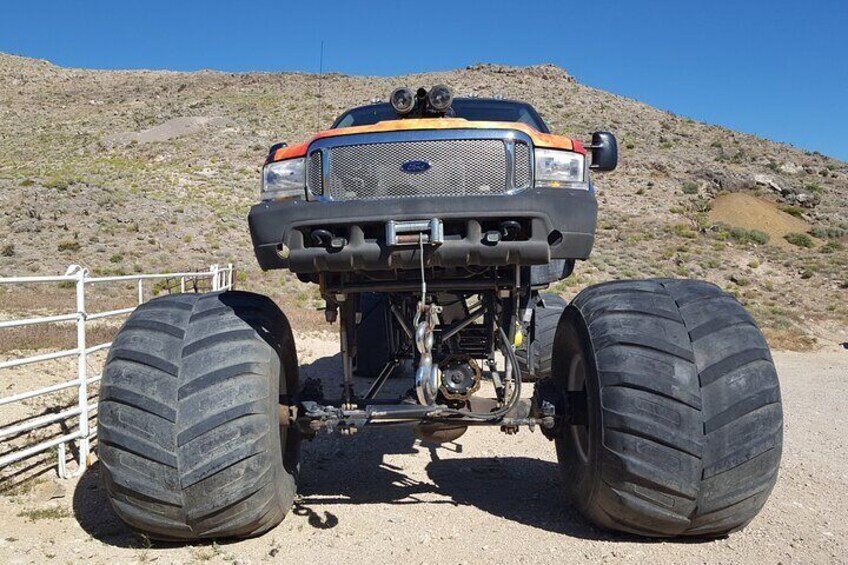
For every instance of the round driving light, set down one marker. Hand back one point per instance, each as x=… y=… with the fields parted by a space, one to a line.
x=440 y=97
x=403 y=100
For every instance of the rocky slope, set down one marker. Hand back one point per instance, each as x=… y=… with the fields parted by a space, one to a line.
x=153 y=171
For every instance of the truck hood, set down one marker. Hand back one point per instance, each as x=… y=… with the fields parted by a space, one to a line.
x=539 y=139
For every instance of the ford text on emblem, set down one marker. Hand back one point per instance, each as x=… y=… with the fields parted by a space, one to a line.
x=415 y=167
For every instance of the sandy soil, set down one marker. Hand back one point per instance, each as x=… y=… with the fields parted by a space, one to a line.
x=383 y=497
x=744 y=210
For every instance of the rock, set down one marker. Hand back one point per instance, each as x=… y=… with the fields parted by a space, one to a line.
x=802 y=198
x=767 y=181
x=790 y=168
x=807 y=199
x=723 y=180
x=58 y=490
x=48 y=490
x=789 y=194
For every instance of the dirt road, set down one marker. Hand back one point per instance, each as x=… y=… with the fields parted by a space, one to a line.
x=382 y=497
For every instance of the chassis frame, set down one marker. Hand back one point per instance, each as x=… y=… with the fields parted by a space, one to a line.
x=495 y=308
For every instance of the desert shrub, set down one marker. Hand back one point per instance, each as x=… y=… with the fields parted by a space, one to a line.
x=827 y=232
x=69 y=246
x=116 y=258
x=742 y=235
x=831 y=247
x=739 y=156
x=793 y=211
x=57 y=183
x=683 y=230
x=164 y=286
x=690 y=187
x=8 y=250
x=799 y=239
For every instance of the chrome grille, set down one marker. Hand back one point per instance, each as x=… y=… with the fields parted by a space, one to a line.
x=522 y=165
x=458 y=167
x=315 y=174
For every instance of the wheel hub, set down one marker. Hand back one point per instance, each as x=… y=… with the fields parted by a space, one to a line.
x=460 y=379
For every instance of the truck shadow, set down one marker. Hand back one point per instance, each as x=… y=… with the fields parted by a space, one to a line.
x=337 y=471
x=354 y=471
x=520 y=489
x=94 y=513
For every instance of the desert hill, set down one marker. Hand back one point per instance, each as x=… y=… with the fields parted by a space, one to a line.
x=127 y=171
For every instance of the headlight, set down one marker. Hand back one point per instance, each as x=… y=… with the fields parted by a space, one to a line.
x=284 y=180
x=562 y=169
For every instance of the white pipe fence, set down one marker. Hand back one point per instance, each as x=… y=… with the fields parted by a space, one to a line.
x=220 y=278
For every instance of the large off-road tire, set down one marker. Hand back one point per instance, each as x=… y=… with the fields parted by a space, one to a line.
x=539 y=345
x=190 y=440
x=682 y=426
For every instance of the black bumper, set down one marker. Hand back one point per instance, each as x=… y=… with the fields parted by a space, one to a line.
x=556 y=224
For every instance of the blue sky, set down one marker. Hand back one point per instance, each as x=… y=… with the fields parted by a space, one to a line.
x=775 y=68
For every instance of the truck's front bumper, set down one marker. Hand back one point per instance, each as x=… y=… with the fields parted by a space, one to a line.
x=555 y=224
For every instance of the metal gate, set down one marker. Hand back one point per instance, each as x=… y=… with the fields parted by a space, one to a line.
x=217 y=278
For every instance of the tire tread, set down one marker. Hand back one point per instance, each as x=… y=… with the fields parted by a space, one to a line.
x=689 y=409
x=197 y=369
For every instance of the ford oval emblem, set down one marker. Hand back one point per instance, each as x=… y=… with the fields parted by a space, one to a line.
x=415 y=167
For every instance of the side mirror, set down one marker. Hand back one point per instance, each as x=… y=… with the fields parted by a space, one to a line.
x=604 y=151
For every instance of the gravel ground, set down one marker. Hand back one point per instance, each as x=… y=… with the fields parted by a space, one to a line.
x=383 y=497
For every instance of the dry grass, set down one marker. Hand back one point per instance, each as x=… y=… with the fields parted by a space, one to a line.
x=53 y=336
x=25 y=299
x=35 y=515
x=789 y=339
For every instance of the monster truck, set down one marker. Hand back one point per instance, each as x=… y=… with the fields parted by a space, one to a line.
x=432 y=226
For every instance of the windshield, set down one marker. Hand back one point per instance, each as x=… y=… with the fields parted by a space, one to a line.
x=474 y=109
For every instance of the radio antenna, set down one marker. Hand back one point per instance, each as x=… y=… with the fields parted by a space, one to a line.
x=320 y=76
